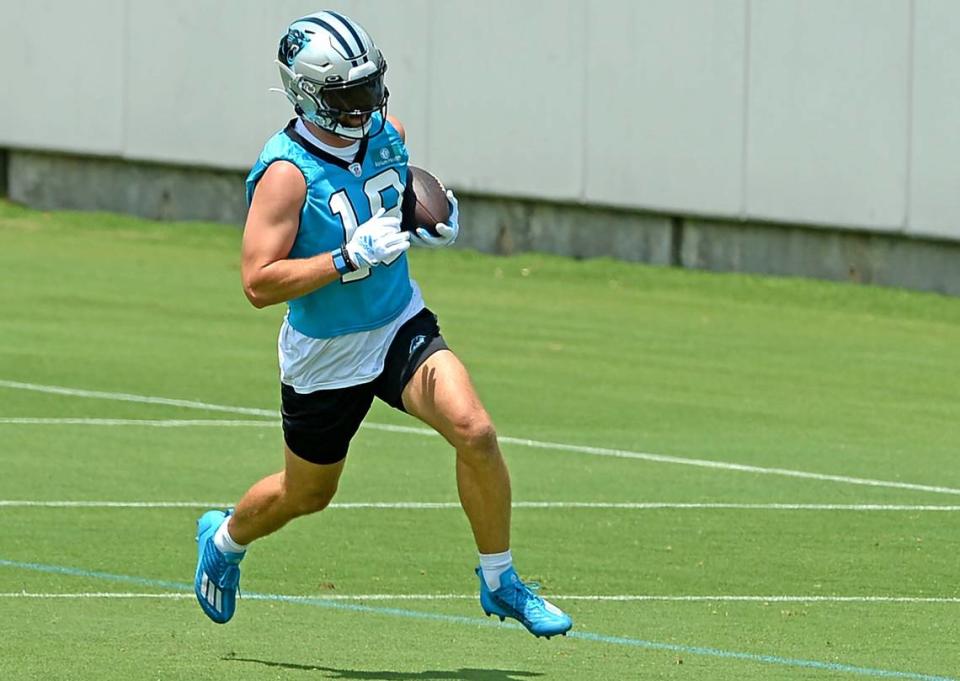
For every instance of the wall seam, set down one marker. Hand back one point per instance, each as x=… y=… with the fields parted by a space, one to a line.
x=911 y=65
x=584 y=109
x=125 y=52
x=745 y=126
x=429 y=94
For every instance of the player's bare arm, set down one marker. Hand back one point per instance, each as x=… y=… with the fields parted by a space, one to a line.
x=398 y=126
x=269 y=275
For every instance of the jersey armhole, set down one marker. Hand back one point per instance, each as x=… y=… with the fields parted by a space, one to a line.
x=259 y=176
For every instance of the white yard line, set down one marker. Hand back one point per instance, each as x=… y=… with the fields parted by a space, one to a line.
x=154 y=423
x=622 y=598
x=449 y=505
x=126 y=397
x=537 y=444
x=723 y=465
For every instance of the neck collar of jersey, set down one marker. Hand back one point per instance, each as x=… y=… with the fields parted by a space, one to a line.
x=292 y=132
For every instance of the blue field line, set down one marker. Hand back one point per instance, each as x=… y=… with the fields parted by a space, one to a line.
x=477 y=621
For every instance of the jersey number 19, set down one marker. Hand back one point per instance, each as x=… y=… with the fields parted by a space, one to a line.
x=373 y=188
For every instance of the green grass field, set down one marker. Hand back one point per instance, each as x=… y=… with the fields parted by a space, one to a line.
x=820 y=557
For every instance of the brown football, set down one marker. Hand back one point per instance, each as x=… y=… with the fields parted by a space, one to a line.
x=424 y=201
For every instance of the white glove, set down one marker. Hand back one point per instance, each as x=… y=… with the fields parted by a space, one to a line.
x=448 y=232
x=377 y=240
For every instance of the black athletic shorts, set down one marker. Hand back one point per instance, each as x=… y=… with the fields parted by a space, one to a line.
x=318 y=426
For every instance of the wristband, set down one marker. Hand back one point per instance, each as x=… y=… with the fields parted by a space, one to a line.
x=342 y=262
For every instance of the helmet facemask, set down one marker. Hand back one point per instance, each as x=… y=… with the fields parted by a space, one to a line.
x=336 y=102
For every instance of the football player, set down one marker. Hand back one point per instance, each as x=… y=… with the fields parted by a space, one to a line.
x=323 y=235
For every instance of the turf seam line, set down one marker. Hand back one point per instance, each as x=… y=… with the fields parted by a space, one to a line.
x=454 y=505
x=774 y=660
x=536 y=444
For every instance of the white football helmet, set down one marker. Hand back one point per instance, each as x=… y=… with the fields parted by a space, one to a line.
x=331 y=69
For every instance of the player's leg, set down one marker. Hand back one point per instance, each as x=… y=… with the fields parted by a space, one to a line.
x=441 y=395
x=317 y=430
x=299 y=489
x=222 y=537
x=424 y=378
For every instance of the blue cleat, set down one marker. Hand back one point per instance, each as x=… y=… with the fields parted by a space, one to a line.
x=218 y=574
x=520 y=601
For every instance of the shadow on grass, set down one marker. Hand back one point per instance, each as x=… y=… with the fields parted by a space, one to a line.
x=429 y=675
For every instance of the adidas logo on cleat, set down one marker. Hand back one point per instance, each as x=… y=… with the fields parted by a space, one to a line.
x=212 y=593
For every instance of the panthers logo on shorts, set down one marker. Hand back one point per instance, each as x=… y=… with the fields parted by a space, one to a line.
x=416 y=343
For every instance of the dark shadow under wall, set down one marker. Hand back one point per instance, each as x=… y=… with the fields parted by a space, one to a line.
x=4 y=158
x=510 y=225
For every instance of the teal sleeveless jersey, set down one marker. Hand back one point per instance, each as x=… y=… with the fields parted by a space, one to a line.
x=340 y=196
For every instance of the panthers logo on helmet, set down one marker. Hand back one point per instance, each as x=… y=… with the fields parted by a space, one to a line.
x=290 y=45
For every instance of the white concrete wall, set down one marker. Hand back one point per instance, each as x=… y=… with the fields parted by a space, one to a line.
x=62 y=75
x=664 y=115
x=823 y=112
x=934 y=194
x=829 y=102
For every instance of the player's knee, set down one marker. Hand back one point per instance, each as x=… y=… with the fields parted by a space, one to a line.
x=312 y=500
x=475 y=433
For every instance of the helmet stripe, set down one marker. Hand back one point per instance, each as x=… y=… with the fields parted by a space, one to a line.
x=336 y=34
x=349 y=24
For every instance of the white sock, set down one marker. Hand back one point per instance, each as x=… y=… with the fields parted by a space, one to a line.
x=223 y=541
x=492 y=565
